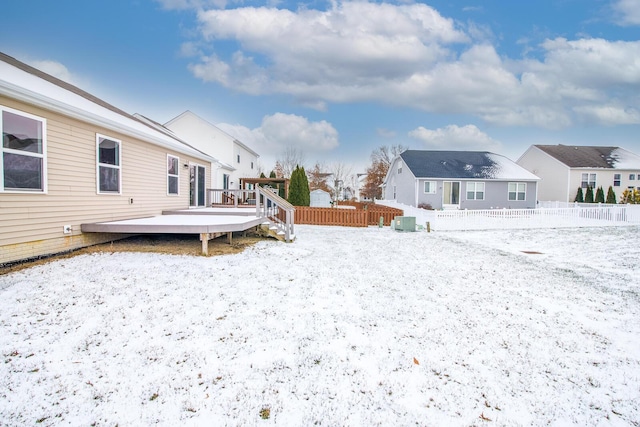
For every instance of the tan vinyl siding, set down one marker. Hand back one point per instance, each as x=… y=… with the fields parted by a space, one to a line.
x=31 y=224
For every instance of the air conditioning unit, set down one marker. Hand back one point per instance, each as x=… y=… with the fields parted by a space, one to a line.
x=404 y=223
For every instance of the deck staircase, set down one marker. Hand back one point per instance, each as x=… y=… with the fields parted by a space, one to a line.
x=278 y=214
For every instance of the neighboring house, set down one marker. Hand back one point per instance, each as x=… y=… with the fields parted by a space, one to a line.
x=69 y=158
x=564 y=168
x=236 y=160
x=459 y=180
x=360 y=182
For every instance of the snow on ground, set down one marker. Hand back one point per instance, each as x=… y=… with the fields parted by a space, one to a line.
x=346 y=326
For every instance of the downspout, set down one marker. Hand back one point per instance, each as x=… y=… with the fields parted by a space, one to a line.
x=568 y=196
x=416 y=184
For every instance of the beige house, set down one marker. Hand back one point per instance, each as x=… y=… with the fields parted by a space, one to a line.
x=235 y=159
x=68 y=158
x=565 y=168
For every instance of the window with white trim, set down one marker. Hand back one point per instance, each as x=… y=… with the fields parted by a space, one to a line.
x=588 y=180
x=23 y=152
x=517 y=191
x=475 y=190
x=429 y=187
x=109 y=172
x=238 y=158
x=173 y=174
x=616 y=179
x=632 y=177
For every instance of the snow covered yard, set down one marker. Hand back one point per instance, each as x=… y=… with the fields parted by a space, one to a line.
x=345 y=326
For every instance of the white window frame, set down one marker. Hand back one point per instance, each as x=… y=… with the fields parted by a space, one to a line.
x=238 y=158
x=472 y=187
x=632 y=177
x=590 y=180
x=118 y=167
x=433 y=186
x=176 y=175
x=617 y=177
x=43 y=155
x=517 y=191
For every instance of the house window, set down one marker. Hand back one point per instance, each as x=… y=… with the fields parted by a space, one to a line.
x=616 y=180
x=517 y=190
x=23 y=152
x=632 y=177
x=429 y=187
x=238 y=158
x=173 y=174
x=588 y=180
x=251 y=165
x=475 y=190
x=108 y=165
x=394 y=192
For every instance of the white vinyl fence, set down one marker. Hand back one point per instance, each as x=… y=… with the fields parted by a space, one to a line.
x=487 y=219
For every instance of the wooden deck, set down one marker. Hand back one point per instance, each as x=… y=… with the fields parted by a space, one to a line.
x=270 y=212
x=208 y=223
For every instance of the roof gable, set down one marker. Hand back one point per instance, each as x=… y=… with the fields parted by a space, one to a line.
x=592 y=156
x=463 y=165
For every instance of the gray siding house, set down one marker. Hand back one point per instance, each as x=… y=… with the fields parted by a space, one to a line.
x=459 y=180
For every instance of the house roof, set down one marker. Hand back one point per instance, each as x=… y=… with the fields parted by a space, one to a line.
x=576 y=156
x=463 y=165
x=28 y=84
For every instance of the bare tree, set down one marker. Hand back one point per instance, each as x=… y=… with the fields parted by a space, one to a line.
x=341 y=173
x=288 y=161
x=385 y=154
x=381 y=159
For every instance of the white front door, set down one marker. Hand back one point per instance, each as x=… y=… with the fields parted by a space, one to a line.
x=451 y=195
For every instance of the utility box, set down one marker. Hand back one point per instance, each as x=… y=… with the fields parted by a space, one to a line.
x=404 y=223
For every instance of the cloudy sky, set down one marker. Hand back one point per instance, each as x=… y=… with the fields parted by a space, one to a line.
x=338 y=79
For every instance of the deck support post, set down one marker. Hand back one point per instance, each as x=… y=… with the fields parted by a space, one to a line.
x=205 y=243
x=229 y=237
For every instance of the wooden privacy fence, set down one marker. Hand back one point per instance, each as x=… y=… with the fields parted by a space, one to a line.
x=375 y=211
x=346 y=217
x=331 y=216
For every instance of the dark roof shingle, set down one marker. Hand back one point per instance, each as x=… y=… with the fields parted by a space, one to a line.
x=462 y=165
x=581 y=156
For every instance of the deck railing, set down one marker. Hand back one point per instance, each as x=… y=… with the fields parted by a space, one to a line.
x=231 y=198
x=265 y=201
x=278 y=210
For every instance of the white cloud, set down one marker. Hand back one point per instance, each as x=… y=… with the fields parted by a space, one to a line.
x=628 y=12
x=279 y=131
x=354 y=44
x=407 y=55
x=55 y=69
x=455 y=137
x=610 y=114
x=191 y=4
